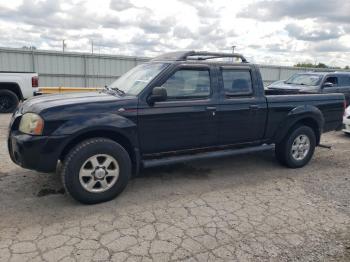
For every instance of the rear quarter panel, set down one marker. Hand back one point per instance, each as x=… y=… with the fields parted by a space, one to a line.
x=285 y=110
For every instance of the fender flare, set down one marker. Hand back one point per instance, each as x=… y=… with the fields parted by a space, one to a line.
x=83 y=123
x=105 y=132
x=117 y=128
x=305 y=113
x=14 y=87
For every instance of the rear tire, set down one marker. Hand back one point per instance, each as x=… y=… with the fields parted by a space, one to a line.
x=96 y=170
x=8 y=101
x=297 y=148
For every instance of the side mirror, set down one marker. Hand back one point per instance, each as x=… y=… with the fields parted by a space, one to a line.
x=328 y=84
x=158 y=94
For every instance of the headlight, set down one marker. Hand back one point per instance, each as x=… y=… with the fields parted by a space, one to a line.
x=31 y=124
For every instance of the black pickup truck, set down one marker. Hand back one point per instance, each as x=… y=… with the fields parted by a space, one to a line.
x=177 y=107
x=315 y=82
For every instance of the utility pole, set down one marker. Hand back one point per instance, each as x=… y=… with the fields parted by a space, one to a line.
x=233 y=51
x=63 y=45
x=92 y=46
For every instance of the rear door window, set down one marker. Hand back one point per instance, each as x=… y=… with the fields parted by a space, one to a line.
x=237 y=82
x=344 y=81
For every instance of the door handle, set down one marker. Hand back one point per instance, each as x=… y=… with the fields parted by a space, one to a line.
x=254 y=107
x=212 y=109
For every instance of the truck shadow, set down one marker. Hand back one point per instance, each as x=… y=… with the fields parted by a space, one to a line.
x=201 y=169
x=42 y=196
x=218 y=173
x=181 y=169
x=207 y=175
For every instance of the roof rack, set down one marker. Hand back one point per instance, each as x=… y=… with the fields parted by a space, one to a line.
x=196 y=55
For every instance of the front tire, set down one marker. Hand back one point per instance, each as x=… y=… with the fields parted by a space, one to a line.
x=96 y=170
x=297 y=148
x=8 y=101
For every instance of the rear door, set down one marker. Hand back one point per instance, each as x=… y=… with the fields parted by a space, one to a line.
x=186 y=120
x=242 y=111
x=344 y=86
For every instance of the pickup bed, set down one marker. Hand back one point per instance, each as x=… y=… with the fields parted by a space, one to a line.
x=177 y=107
x=16 y=87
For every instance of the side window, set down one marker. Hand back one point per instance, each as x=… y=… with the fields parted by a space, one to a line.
x=188 y=83
x=237 y=82
x=344 y=80
x=332 y=79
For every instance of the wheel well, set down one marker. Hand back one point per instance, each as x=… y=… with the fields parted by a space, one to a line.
x=12 y=87
x=313 y=125
x=120 y=139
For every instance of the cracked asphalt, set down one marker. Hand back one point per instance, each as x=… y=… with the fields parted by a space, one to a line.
x=242 y=208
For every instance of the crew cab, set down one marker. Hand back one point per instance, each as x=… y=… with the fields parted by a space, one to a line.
x=316 y=82
x=177 y=107
x=16 y=87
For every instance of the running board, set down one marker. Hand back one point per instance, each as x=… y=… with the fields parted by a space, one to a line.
x=198 y=156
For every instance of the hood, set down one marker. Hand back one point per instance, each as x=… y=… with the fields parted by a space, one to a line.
x=70 y=100
x=281 y=85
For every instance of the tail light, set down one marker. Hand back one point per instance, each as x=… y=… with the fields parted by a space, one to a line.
x=35 y=81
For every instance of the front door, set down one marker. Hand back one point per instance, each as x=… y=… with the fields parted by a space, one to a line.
x=186 y=120
x=331 y=89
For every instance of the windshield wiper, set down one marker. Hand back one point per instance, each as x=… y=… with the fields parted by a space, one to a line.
x=113 y=90
x=119 y=90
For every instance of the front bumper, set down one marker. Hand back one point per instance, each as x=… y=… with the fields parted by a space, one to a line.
x=346 y=124
x=40 y=153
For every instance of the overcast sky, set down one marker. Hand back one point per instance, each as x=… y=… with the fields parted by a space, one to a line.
x=269 y=32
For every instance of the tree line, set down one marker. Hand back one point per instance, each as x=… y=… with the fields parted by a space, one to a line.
x=319 y=65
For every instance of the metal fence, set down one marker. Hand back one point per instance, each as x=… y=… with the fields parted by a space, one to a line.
x=67 y=69
x=93 y=70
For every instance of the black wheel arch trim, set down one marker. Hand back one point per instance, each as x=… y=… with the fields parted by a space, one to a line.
x=120 y=136
x=17 y=91
x=306 y=114
x=82 y=123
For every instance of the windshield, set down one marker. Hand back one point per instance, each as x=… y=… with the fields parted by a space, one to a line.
x=304 y=79
x=135 y=80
